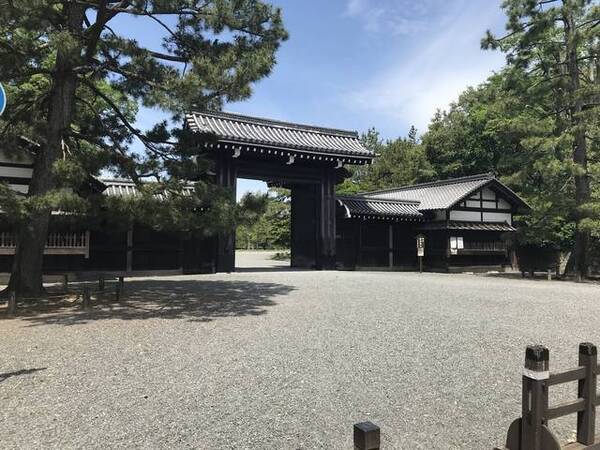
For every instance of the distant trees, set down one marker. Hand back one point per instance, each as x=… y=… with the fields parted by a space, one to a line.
x=536 y=123
x=556 y=44
x=399 y=162
x=270 y=227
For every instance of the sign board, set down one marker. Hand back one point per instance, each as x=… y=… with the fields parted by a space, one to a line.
x=2 y=99
x=420 y=252
x=420 y=242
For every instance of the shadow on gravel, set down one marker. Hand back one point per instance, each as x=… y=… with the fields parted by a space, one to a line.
x=201 y=301
x=5 y=376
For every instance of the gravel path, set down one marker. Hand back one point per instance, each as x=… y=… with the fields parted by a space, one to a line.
x=256 y=259
x=288 y=360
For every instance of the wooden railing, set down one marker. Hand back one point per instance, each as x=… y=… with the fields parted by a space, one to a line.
x=70 y=243
x=531 y=430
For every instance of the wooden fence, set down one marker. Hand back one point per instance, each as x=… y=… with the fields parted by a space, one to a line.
x=70 y=243
x=531 y=431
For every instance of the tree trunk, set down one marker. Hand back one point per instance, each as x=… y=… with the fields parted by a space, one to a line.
x=26 y=276
x=580 y=253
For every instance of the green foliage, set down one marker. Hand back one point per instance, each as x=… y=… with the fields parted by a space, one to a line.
x=212 y=53
x=267 y=228
x=399 y=162
x=552 y=50
x=522 y=124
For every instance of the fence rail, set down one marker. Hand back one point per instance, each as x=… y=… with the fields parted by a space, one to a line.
x=73 y=243
x=531 y=430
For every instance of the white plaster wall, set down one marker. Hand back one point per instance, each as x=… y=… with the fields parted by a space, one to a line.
x=497 y=217
x=488 y=194
x=465 y=216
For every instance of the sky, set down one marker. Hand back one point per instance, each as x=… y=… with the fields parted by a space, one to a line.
x=357 y=64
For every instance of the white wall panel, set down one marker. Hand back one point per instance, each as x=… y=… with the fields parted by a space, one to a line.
x=17 y=172
x=488 y=194
x=465 y=216
x=497 y=217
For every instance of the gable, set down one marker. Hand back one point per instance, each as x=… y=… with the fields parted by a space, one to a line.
x=484 y=205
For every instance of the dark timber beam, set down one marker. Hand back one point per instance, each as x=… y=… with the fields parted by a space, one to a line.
x=326 y=220
x=226 y=175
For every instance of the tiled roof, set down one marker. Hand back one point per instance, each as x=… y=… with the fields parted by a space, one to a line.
x=253 y=130
x=374 y=208
x=438 y=194
x=122 y=188
x=468 y=226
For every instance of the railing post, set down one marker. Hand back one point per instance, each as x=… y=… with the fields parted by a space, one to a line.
x=586 y=419
x=121 y=284
x=86 y=297
x=535 y=396
x=12 y=303
x=366 y=436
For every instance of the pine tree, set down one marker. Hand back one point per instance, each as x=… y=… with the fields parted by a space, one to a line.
x=75 y=83
x=557 y=41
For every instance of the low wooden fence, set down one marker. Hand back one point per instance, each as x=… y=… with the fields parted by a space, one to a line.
x=72 y=243
x=531 y=430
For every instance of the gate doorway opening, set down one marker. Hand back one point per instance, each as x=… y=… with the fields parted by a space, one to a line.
x=307 y=160
x=263 y=242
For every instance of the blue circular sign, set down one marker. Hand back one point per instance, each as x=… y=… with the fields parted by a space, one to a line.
x=2 y=99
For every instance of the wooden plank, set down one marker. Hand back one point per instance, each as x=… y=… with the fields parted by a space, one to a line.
x=565 y=408
x=566 y=376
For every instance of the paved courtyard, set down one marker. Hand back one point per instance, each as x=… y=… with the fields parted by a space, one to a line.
x=288 y=360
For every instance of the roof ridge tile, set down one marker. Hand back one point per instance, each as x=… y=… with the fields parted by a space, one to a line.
x=277 y=123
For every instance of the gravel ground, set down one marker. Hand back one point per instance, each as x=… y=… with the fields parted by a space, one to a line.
x=288 y=360
x=255 y=259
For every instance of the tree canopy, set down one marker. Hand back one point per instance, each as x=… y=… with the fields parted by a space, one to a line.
x=535 y=123
x=267 y=227
x=77 y=78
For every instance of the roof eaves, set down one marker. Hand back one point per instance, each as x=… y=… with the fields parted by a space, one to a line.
x=295 y=148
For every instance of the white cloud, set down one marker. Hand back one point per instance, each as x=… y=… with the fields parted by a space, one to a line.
x=398 y=17
x=434 y=72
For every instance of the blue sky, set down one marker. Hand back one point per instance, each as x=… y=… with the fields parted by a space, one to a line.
x=356 y=64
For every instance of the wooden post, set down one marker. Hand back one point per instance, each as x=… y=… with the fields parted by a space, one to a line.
x=66 y=282
x=391 y=246
x=12 y=303
x=118 y=292
x=586 y=419
x=535 y=396
x=86 y=297
x=366 y=436
x=101 y=283
x=120 y=288
x=129 y=263
x=549 y=275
